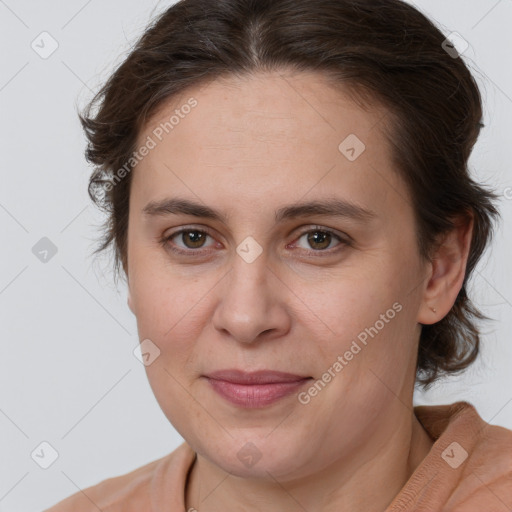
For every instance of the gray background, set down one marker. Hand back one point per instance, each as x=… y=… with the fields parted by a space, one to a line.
x=68 y=375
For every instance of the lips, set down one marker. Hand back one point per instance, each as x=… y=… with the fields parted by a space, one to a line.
x=255 y=389
x=258 y=377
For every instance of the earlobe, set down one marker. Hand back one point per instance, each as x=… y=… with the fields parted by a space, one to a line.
x=448 y=269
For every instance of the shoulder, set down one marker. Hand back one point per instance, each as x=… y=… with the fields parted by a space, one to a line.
x=108 y=495
x=476 y=454
x=460 y=416
x=129 y=492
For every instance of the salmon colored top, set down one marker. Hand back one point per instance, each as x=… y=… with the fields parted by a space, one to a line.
x=445 y=476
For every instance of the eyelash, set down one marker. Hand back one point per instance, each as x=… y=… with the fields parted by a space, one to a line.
x=344 y=241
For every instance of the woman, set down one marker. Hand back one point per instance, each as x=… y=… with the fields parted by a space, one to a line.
x=288 y=196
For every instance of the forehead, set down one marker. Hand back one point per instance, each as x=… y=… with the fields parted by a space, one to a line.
x=265 y=134
x=276 y=104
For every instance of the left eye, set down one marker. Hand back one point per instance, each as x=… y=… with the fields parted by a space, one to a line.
x=320 y=239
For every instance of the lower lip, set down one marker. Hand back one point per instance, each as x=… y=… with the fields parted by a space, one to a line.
x=255 y=395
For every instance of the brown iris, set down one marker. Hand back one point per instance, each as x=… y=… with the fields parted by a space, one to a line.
x=319 y=237
x=196 y=239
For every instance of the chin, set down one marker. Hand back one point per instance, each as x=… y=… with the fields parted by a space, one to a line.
x=255 y=458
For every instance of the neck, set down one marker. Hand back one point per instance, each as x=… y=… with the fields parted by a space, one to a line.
x=367 y=479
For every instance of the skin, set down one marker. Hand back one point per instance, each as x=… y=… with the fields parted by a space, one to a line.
x=251 y=146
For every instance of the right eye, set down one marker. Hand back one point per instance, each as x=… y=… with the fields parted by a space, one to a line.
x=192 y=240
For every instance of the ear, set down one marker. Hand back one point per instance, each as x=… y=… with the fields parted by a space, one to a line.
x=448 y=269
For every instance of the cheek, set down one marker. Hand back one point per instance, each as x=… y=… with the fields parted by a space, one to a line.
x=163 y=301
x=346 y=303
x=368 y=319
x=170 y=313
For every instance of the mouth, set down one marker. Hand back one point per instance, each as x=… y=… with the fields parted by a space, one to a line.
x=255 y=389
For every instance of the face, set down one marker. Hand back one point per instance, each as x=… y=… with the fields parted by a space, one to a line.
x=329 y=293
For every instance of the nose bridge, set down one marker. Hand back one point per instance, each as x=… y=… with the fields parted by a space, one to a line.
x=249 y=305
x=247 y=284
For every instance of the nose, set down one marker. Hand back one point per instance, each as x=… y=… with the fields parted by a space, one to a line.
x=252 y=303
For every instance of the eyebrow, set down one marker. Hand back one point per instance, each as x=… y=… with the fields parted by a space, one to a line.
x=329 y=207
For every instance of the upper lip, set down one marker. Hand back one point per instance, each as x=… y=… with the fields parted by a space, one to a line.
x=257 y=377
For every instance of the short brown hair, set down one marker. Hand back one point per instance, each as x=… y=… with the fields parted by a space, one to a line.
x=384 y=50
